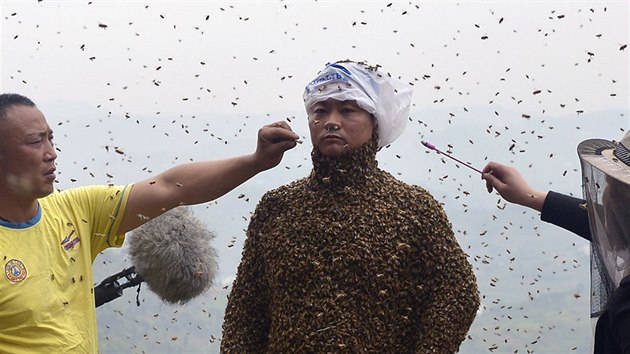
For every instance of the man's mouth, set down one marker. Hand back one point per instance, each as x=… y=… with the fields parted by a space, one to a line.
x=50 y=173
x=332 y=137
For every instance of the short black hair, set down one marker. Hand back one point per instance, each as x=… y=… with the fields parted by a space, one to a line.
x=8 y=100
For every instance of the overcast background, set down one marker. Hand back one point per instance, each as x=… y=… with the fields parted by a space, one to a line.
x=165 y=82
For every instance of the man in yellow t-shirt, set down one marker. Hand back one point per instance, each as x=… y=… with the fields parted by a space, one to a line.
x=49 y=239
x=42 y=299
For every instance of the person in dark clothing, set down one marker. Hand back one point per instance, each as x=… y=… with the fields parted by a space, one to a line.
x=558 y=209
x=602 y=217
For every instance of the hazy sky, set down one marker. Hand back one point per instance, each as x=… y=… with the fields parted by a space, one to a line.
x=521 y=82
x=192 y=56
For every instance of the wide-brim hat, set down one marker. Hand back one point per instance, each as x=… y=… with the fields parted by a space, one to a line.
x=606 y=186
x=610 y=157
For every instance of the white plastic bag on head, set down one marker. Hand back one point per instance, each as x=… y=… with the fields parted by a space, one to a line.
x=387 y=98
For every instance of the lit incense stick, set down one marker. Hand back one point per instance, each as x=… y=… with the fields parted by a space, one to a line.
x=432 y=147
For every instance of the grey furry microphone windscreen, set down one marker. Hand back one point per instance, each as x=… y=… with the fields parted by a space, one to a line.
x=173 y=254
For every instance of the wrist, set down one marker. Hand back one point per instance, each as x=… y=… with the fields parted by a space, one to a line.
x=535 y=199
x=257 y=162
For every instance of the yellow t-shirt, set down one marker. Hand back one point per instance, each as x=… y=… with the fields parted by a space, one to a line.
x=46 y=291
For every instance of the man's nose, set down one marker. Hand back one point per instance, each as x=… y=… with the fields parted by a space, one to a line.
x=334 y=121
x=51 y=153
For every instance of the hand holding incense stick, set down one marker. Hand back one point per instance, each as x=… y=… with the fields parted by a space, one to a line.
x=432 y=147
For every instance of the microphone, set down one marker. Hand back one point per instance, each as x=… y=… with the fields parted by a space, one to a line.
x=172 y=253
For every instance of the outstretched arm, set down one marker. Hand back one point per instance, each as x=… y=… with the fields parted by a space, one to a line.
x=558 y=209
x=200 y=182
x=512 y=186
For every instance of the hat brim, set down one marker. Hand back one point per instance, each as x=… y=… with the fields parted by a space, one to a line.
x=599 y=154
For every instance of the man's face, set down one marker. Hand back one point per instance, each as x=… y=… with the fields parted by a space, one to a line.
x=27 y=153
x=339 y=126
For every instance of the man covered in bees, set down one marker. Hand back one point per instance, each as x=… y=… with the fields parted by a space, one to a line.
x=350 y=259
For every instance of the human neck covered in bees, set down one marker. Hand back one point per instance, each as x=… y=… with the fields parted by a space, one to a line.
x=352 y=168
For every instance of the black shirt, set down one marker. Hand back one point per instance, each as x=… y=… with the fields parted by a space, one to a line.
x=567 y=212
x=612 y=332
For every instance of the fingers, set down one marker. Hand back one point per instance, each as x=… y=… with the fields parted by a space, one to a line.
x=273 y=141
x=495 y=168
x=488 y=167
x=280 y=124
x=491 y=181
x=489 y=177
x=489 y=186
x=278 y=132
x=497 y=172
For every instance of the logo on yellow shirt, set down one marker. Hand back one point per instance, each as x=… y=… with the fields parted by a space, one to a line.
x=15 y=270
x=68 y=243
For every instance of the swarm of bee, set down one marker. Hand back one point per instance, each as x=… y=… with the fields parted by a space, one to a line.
x=350 y=259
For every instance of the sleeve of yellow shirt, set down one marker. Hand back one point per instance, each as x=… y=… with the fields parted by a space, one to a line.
x=101 y=209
